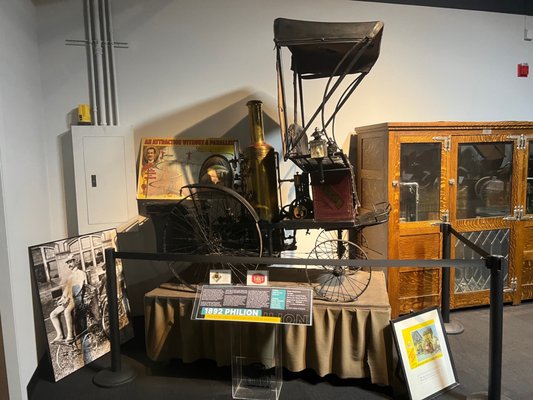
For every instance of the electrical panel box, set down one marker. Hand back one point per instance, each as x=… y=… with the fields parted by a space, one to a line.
x=104 y=177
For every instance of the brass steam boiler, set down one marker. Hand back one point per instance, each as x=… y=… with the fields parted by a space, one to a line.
x=260 y=174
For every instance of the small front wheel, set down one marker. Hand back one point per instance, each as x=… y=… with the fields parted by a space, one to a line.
x=338 y=283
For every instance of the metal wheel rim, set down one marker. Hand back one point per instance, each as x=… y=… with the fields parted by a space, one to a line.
x=338 y=284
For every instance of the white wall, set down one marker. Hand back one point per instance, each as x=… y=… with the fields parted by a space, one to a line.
x=24 y=204
x=190 y=68
x=195 y=62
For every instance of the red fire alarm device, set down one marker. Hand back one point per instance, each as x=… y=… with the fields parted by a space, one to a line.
x=523 y=70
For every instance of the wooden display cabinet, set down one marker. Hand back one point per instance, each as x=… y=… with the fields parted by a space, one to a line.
x=476 y=175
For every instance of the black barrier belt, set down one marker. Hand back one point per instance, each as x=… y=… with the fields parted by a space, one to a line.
x=222 y=259
x=468 y=243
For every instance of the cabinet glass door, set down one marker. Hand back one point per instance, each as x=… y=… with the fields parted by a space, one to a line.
x=484 y=180
x=483 y=197
x=418 y=196
x=420 y=167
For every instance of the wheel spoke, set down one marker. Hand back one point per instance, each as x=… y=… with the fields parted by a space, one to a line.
x=326 y=281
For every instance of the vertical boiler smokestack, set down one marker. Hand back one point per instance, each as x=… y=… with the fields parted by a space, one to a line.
x=262 y=166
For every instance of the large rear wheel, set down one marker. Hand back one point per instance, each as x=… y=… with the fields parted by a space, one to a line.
x=212 y=220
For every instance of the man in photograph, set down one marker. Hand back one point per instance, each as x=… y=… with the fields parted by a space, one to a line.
x=72 y=283
x=150 y=155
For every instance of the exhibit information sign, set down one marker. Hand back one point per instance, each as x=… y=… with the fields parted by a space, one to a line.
x=274 y=305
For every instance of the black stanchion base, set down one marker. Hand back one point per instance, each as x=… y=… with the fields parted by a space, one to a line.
x=483 y=396
x=108 y=379
x=453 y=328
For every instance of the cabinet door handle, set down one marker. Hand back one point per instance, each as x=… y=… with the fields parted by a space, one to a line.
x=518 y=215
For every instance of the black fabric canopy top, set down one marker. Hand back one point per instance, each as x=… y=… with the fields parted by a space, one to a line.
x=321 y=49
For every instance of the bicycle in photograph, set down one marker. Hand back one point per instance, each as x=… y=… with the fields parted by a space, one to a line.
x=92 y=337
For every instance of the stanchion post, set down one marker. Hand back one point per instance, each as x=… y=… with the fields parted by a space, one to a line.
x=116 y=375
x=114 y=331
x=496 y=326
x=494 y=263
x=445 y=288
x=454 y=327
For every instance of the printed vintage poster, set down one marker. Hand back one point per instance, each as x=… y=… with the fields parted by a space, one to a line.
x=71 y=281
x=168 y=164
x=422 y=343
x=424 y=353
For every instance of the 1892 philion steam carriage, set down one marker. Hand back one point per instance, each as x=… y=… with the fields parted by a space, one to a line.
x=238 y=212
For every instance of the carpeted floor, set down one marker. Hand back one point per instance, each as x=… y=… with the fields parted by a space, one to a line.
x=203 y=380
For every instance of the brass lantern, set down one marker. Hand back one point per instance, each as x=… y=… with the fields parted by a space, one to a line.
x=318 y=147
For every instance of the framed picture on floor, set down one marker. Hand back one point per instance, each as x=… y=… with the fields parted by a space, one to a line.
x=70 y=282
x=424 y=353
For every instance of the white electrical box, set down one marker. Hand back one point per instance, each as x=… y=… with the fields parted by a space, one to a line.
x=104 y=177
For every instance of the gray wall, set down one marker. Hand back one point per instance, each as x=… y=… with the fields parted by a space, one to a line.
x=190 y=67
x=24 y=201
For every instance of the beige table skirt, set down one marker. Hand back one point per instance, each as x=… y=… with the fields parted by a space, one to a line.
x=350 y=340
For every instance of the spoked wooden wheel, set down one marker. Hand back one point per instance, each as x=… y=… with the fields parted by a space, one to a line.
x=212 y=220
x=338 y=283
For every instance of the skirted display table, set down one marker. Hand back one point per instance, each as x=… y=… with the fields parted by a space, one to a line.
x=350 y=340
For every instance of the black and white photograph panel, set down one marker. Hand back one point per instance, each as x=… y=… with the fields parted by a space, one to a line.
x=71 y=280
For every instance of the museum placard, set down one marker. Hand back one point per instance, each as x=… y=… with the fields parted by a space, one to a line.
x=274 y=305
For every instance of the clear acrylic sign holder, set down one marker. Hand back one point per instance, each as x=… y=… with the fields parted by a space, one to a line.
x=256 y=365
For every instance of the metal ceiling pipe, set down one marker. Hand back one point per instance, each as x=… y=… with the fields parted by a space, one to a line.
x=112 y=65
x=100 y=90
x=105 y=61
x=90 y=61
